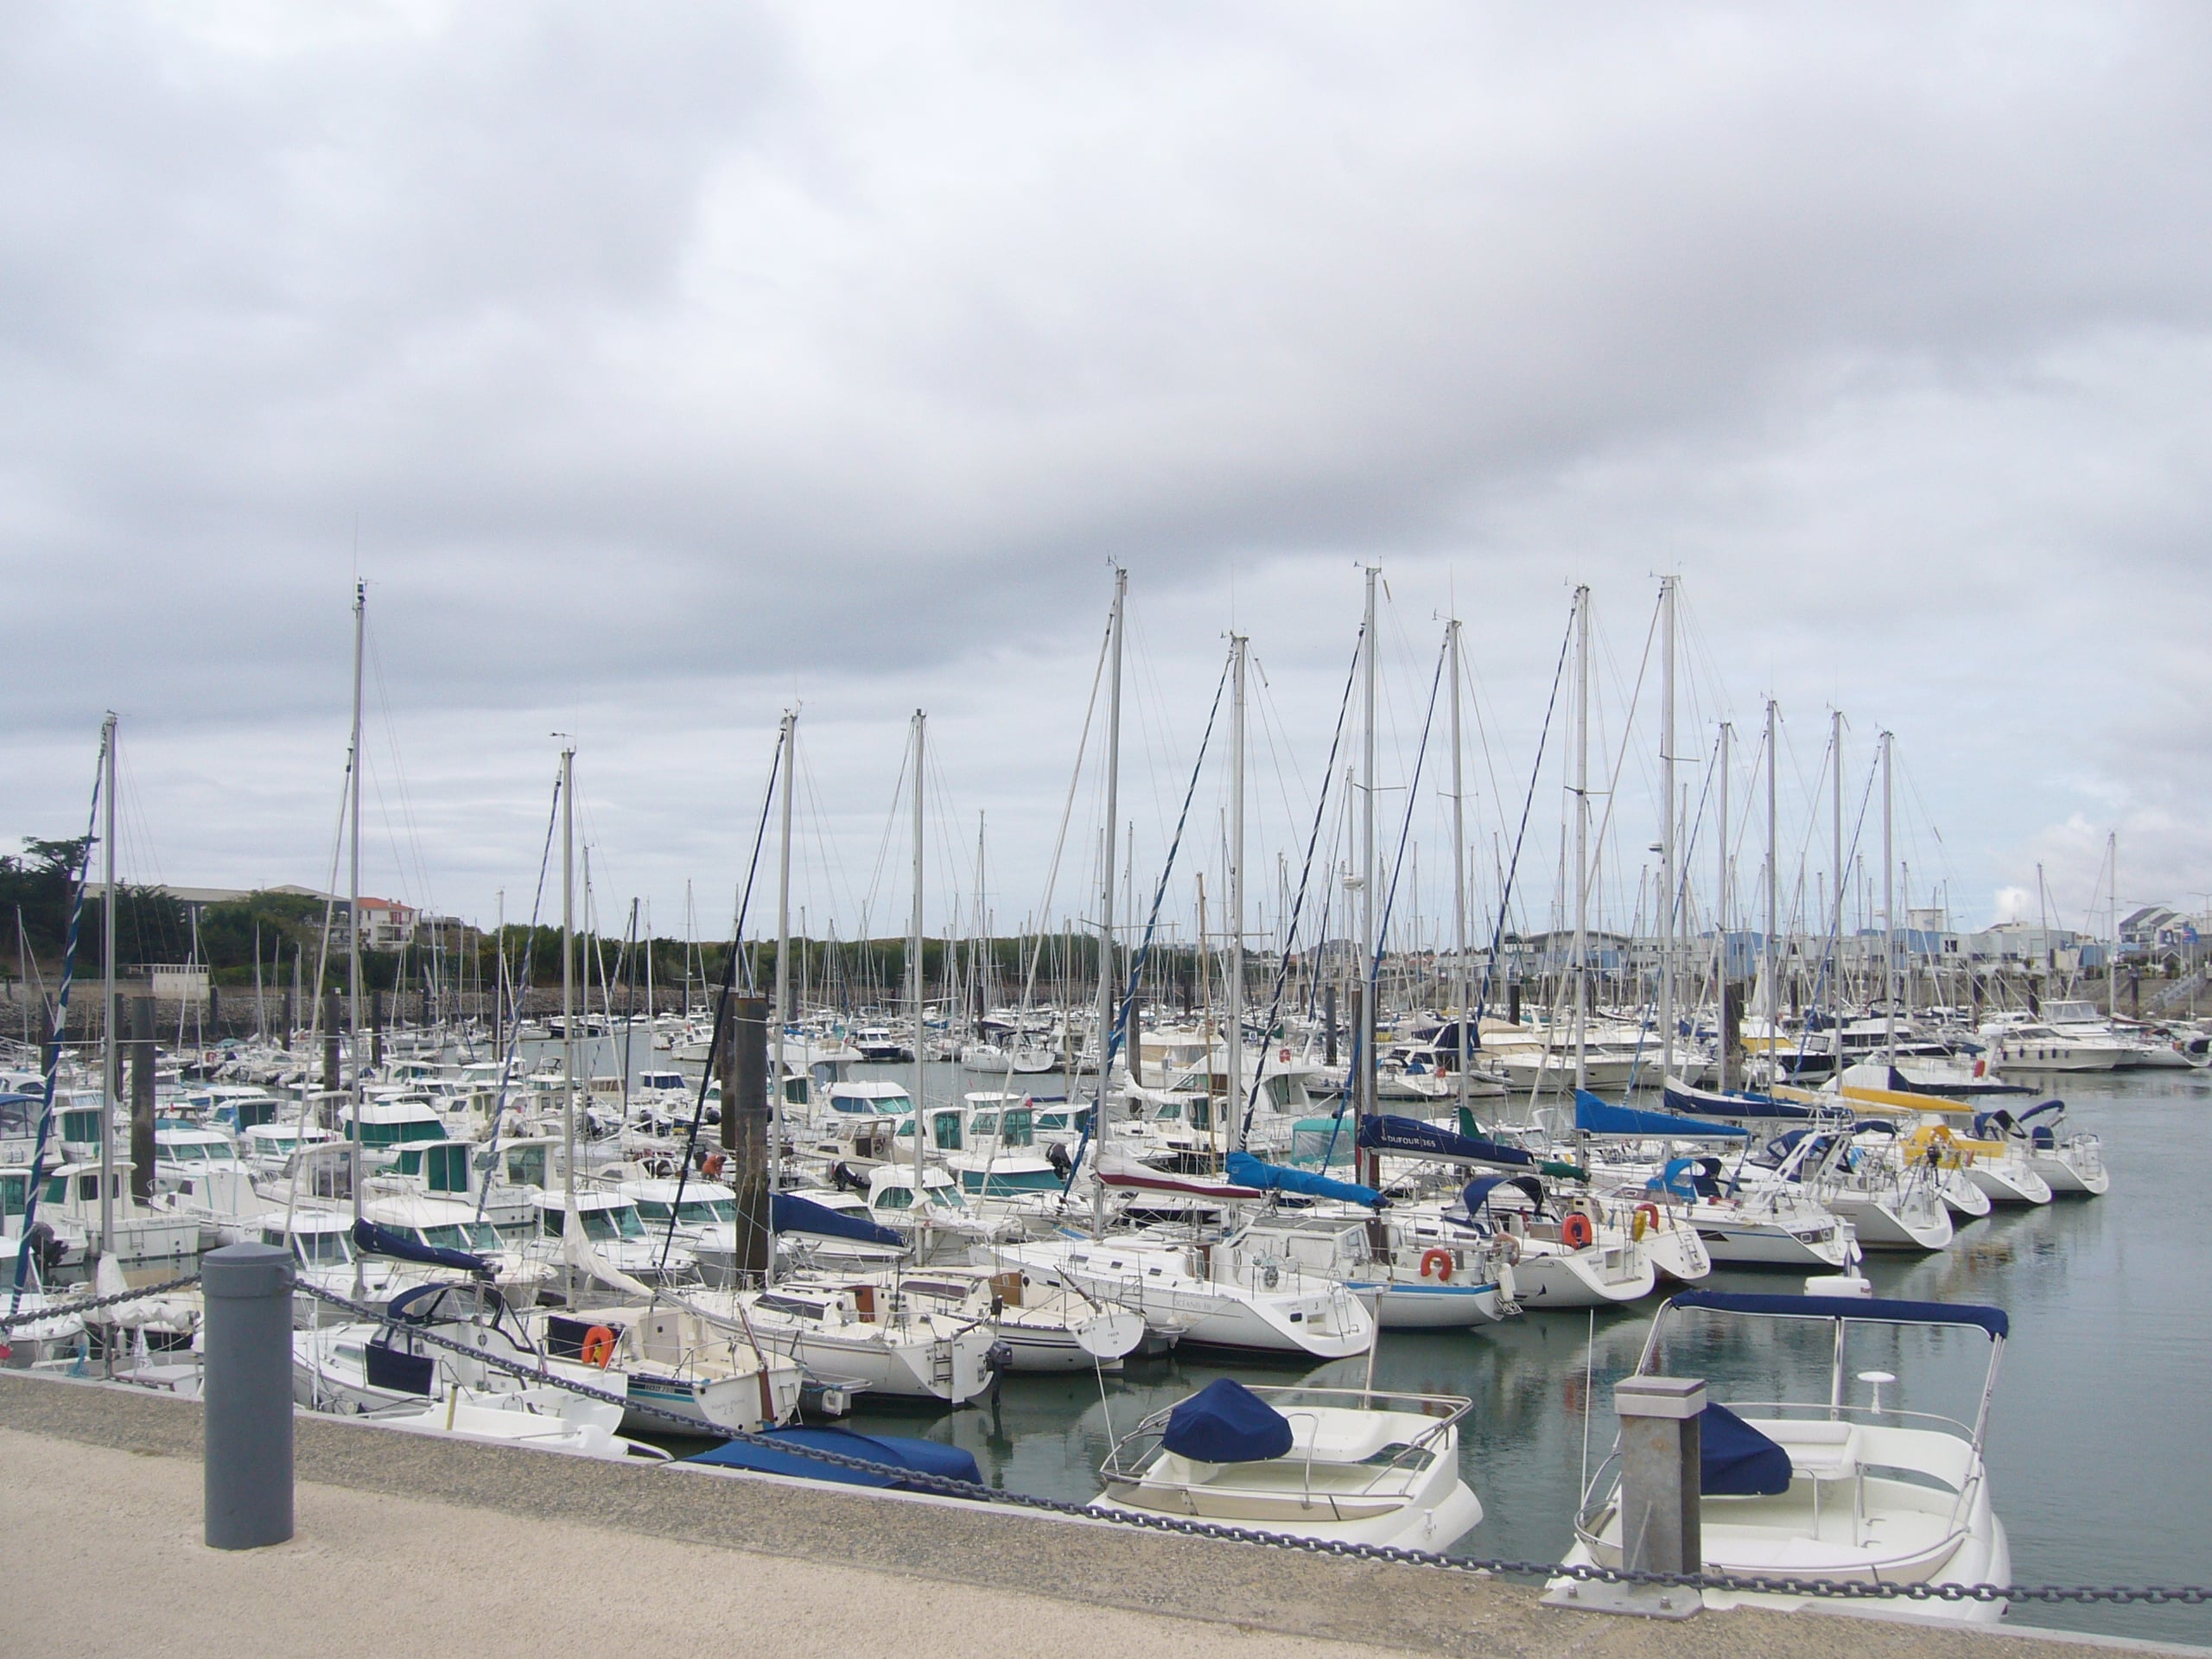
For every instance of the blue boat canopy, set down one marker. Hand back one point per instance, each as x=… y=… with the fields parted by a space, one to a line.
x=1226 y=1422
x=789 y=1213
x=1994 y=1320
x=1385 y=1134
x=1245 y=1170
x=1476 y=1191
x=896 y=1450
x=373 y=1240
x=1596 y=1116
x=1735 y=1460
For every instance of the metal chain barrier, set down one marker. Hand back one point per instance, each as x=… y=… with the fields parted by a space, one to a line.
x=10 y=1321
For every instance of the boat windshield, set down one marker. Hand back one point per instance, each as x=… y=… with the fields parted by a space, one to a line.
x=605 y=1226
x=463 y=1235
x=315 y=1250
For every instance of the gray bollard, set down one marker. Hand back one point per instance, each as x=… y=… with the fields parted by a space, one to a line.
x=247 y=1388
x=1660 y=1492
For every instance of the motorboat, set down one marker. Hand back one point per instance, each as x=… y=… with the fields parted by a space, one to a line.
x=1818 y=1487
x=1342 y=1465
x=845 y=1336
x=549 y=1418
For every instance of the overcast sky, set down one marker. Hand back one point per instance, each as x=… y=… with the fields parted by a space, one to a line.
x=659 y=369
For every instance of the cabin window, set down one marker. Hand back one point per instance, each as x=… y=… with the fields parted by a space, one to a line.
x=448 y=1168
x=706 y=1212
x=653 y=1209
x=895 y=1197
x=944 y=1131
x=1015 y=1129
x=526 y=1165
x=985 y=1124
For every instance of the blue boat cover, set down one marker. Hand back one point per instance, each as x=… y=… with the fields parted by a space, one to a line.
x=373 y=1240
x=1732 y=1105
x=1735 y=1460
x=1991 y=1320
x=1476 y=1191
x=1596 y=1116
x=789 y=1213
x=1226 y=1422
x=1245 y=1170
x=1383 y=1133
x=898 y=1450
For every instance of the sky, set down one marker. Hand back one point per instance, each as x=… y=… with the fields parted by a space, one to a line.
x=658 y=371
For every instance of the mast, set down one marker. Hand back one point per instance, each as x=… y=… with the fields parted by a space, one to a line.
x=1363 y=1098
x=914 y=956
x=2112 y=956
x=1581 y=834
x=354 y=901
x=1773 y=940
x=1721 y=918
x=1106 y=900
x=1835 y=981
x=570 y=1219
x=1464 y=1058
x=1666 y=907
x=1889 y=925
x=1234 y=1069
x=783 y=957
x=107 y=990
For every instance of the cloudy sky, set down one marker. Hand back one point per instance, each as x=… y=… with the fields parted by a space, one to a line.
x=659 y=370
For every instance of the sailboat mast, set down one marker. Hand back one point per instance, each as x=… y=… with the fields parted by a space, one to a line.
x=1106 y=899
x=1835 y=981
x=107 y=990
x=353 y=892
x=783 y=950
x=1581 y=835
x=1465 y=1055
x=1720 y=919
x=1370 y=980
x=2112 y=956
x=1234 y=1068
x=1666 y=906
x=1889 y=926
x=914 y=956
x=568 y=990
x=1773 y=939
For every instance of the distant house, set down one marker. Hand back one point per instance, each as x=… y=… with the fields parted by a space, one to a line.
x=2155 y=927
x=386 y=923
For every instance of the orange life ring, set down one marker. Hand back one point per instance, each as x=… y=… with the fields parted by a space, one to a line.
x=599 y=1347
x=1575 y=1231
x=1284 y=1056
x=1436 y=1264
x=1647 y=1218
x=713 y=1166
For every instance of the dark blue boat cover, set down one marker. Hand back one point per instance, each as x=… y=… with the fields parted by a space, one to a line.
x=897 y=1451
x=1596 y=1116
x=373 y=1240
x=1476 y=1192
x=1384 y=1134
x=1991 y=1320
x=789 y=1213
x=1710 y=1104
x=1247 y=1171
x=1226 y=1422
x=1735 y=1460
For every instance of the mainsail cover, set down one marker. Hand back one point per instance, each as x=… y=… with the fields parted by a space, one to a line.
x=1248 y=1170
x=373 y=1240
x=1384 y=1134
x=791 y=1213
x=1596 y=1116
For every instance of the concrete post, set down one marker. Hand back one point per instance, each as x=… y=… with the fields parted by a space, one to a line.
x=745 y=1131
x=142 y=1098
x=1660 y=1476
x=247 y=1462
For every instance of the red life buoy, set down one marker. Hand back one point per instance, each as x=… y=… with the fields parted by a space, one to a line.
x=599 y=1346
x=1649 y=1212
x=1436 y=1264
x=1576 y=1232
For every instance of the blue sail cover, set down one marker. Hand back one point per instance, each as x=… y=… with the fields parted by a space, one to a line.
x=789 y=1213
x=1711 y=1104
x=373 y=1240
x=1247 y=1171
x=1735 y=1460
x=1226 y=1422
x=1596 y=1116
x=1381 y=1134
x=898 y=1450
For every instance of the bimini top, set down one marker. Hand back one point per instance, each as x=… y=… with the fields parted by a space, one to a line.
x=1993 y=1320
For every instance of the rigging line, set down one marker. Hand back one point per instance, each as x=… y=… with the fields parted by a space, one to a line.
x=1304 y=876
x=1110 y=1040
x=53 y=1045
x=883 y=847
x=515 y=984
x=723 y=1032
x=414 y=846
x=1520 y=835
x=1627 y=728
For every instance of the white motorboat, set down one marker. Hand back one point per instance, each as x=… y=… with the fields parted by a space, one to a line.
x=543 y=1419
x=1815 y=1488
x=845 y=1336
x=2018 y=1043
x=1346 y=1466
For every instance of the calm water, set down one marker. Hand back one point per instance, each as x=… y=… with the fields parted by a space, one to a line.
x=2100 y=1443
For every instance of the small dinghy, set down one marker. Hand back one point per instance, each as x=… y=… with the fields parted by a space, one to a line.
x=1349 y=1464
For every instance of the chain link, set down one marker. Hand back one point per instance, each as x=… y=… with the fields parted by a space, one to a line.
x=10 y=1321
x=947 y=1486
